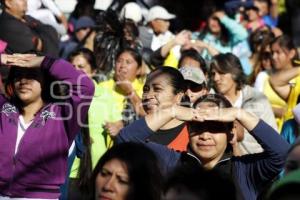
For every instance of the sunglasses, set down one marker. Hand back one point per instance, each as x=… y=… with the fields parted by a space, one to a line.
x=194 y=87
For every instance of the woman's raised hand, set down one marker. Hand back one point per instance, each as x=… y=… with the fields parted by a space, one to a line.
x=218 y=114
x=22 y=60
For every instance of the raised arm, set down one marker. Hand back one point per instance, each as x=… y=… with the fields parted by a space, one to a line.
x=237 y=31
x=81 y=88
x=280 y=81
x=258 y=167
x=154 y=121
x=180 y=39
x=80 y=93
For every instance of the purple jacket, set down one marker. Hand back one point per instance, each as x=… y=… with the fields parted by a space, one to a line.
x=39 y=167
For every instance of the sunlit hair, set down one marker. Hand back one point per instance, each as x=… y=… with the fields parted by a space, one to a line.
x=176 y=79
x=229 y=63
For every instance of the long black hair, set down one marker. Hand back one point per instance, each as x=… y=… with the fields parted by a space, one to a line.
x=145 y=178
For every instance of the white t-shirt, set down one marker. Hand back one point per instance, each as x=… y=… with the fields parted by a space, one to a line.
x=260 y=81
x=161 y=39
x=22 y=126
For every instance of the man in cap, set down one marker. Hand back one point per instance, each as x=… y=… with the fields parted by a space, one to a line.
x=195 y=82
x=83 y=30
x=158 y=21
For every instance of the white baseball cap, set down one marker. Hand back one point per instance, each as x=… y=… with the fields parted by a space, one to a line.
x=158 y=12
x=133 y=11
x=193 y=74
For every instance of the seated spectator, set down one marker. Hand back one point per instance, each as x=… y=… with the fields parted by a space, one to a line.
x=228 y=79
x=158 y=20
x=164 y=87
x=260 y=41
x=191 y=58
x=224 y=35
x=195 y=81
x=96 y=138
x=263 y=67
x=169 y=53
x=254 y=21
x=212 y=134
x=24 y=34
x=126 y=88
x=83 y=32
x=127 y=171
x=37 y=131
x=221 y=32
x=286 y=81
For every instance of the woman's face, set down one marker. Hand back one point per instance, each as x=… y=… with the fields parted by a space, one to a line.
x=82 y=64
x=112 y=182
x=281 y=57
x=126 y=67
x=158 y=93
x=208 y=139
x=214 y=25
x=194 y=91
x=224 y=83
x=28 y=90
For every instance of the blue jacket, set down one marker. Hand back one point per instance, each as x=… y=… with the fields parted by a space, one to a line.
x=39 y=166
x=251 y=172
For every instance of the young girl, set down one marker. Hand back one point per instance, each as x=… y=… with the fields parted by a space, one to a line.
x=286 y=82
x=36 y=133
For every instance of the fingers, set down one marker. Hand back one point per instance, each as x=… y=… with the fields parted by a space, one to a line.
x=210 y=113
x=21 y=60
x=197 y=116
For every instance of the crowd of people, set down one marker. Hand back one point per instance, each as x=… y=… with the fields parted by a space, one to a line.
x=116 y=104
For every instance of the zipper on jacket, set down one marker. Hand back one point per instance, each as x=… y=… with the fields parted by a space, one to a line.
x=13 y=176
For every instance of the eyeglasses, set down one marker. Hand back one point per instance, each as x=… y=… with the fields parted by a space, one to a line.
x=195 y=87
